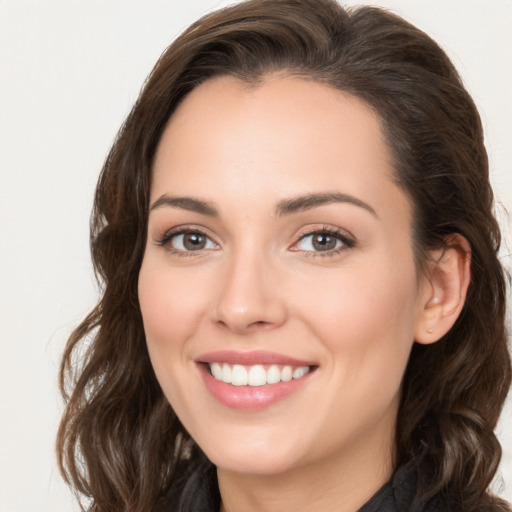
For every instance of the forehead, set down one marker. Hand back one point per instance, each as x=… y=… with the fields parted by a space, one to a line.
x=283 y=137
x=277 y=112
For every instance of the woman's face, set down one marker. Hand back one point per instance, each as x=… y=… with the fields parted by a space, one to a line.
x=279 y=258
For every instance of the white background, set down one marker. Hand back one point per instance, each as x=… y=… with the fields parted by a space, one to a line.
x=69 y=72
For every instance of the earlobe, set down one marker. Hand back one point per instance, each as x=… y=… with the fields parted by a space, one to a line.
x=445 y=290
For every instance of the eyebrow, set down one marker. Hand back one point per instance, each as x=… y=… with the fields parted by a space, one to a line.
x=186 y=203
x=310 y=201
x=284 y=207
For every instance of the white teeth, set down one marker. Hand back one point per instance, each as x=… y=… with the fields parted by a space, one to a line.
x=216 y=369
x=239 y=376
x=273 y=375
x=256 y=375
x=226 y=373
x=300 y=372
x=286 y=374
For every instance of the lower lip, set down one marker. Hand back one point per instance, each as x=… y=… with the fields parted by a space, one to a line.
x=250 y=398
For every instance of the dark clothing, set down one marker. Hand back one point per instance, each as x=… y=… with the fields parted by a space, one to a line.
x=398 y=495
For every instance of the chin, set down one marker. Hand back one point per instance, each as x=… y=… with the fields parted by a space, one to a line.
x=258 y=457
x=254 y=464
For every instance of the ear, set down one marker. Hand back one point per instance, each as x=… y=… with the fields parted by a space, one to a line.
x=445 y=290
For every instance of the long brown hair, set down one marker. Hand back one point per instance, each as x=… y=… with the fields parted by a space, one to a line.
x=120 y=443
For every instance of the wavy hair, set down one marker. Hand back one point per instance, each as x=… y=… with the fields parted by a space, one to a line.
x=120 y=443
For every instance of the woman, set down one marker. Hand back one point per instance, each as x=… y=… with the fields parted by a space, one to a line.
x=303 y=307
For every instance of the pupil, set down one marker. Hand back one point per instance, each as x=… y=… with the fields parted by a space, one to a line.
x=194 y=241
x=324 y=242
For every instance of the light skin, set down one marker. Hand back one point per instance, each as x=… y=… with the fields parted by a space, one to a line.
x=304 y=249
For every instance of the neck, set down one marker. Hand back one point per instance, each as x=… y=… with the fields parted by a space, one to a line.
x=343 y=482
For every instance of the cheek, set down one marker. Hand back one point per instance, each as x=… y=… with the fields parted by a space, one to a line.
x=170 y=302
x=172 y=307
x=366 y=322
x=363 y=298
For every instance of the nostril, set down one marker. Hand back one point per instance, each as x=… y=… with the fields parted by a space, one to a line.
x=260 y=324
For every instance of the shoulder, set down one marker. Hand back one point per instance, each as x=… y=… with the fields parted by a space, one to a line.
x=194 y=489
x=400 y=494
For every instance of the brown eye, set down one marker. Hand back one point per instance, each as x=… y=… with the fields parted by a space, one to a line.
x=190 y=241
x=324 y=242
x=320 y=242
x=194 y=241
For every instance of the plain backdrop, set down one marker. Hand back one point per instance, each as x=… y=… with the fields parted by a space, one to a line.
x=69 y=72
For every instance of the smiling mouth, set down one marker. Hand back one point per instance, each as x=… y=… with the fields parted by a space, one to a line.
x=256 y=375
x=253 y=380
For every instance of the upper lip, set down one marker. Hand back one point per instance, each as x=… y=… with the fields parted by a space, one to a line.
x=251 y=358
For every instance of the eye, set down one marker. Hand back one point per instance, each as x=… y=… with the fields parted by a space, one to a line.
x=188 y=241
x=324 y=241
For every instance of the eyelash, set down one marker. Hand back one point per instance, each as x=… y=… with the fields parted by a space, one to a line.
x=340 y=235
x=347 y=241
x=165 y=239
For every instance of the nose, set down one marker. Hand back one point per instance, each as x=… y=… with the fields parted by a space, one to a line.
x=250 y=298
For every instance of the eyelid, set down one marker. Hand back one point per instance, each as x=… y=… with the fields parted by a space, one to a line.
x=166 y=236
x=347 y=239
